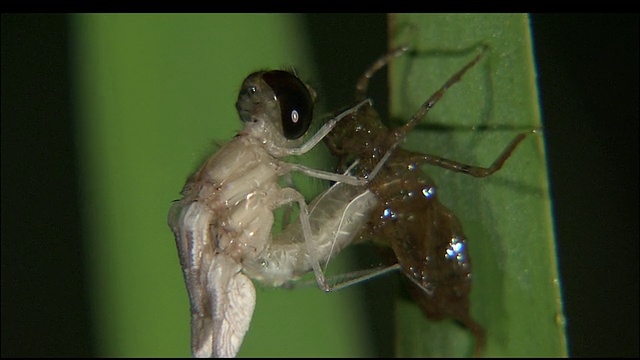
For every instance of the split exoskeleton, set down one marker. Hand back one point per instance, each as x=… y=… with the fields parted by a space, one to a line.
x=427 y=241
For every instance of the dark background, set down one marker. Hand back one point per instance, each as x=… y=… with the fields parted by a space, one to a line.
x=588 y=83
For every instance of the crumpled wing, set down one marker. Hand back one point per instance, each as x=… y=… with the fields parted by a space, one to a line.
x=232 y=298
x=222 y=298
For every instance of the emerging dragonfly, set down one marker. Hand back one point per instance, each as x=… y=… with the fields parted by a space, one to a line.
x=426 y=238
x=223 y=222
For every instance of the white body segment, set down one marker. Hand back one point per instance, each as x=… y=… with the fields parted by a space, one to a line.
x=335 y=216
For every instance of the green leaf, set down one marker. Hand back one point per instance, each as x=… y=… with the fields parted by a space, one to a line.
x=507 y=216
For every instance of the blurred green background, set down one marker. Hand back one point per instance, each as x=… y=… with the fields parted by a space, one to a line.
x=588 y=86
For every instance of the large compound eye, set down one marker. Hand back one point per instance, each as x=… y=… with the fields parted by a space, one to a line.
x=296 y=104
